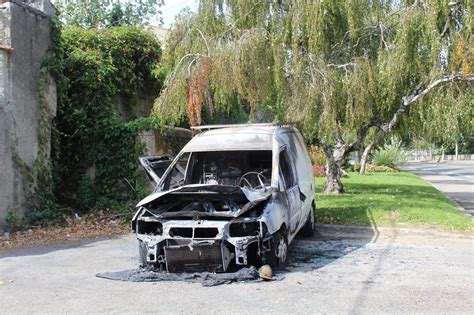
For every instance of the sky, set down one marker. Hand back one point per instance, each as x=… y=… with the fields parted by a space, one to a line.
x=172 y=8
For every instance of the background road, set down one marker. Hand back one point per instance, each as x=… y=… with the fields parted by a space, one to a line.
x=339 y=270
x=454 y=178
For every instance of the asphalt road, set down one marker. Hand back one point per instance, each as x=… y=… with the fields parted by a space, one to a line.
x=344 y=270
x=454 y=178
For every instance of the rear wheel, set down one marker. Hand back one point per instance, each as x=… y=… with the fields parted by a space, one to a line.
x=308 y=228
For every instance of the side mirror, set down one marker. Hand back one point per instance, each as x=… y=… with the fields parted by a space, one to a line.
x=302 y=196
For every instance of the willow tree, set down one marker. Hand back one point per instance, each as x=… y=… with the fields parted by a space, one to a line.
x=342 y=69
x=443 y=111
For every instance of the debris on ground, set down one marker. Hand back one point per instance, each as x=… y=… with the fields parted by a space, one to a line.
x=265 y=272
x=90 y=226
x=207 y=279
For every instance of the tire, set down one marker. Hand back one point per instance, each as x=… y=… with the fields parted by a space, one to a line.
x=308 y=228
x=278 y=255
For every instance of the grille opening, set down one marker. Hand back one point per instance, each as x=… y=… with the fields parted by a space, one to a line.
x=150 y=228
x=181 y=232
x=243 y=229
x=202 y=258
x=205 y=232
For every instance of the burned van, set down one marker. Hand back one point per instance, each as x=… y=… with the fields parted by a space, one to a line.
x=236 y=195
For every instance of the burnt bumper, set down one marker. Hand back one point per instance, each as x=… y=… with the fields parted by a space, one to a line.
x=196 y=246
x=212 y=256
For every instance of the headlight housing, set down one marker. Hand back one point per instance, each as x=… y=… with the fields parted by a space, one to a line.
x=149 y=227
x=241 y=229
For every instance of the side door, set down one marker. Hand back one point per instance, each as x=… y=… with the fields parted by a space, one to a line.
x=290 y=188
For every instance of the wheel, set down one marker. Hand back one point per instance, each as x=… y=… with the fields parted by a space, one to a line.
x=279 y=250
x=142 y=252
x=308 y=228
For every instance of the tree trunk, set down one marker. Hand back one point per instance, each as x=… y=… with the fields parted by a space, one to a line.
x=368 y=150
x=365 y=157
x=334 y=159
x=358 y=155
x=457 y=151
x=333 y=184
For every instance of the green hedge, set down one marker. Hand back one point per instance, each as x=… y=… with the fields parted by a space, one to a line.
x=94 y=153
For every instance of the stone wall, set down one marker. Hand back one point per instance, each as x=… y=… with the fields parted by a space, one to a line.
x=169 y=140
x=24 y=44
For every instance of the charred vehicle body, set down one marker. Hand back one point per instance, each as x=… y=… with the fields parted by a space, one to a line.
x=236 y=195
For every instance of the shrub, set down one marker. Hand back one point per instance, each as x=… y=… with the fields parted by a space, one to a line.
x=390 y=155
x=355 y=167
x=317 y=156
x=14 y=221
x=381 y=169
x=319 y=171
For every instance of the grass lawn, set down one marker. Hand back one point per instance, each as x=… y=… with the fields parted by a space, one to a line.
x=389 y=199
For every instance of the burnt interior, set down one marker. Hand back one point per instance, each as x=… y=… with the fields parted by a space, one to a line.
x=227 y=167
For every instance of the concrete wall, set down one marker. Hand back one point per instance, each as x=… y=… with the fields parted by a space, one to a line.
x=167 y=141
x=24 y=44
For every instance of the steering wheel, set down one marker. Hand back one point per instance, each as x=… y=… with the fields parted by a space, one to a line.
x=245 y=182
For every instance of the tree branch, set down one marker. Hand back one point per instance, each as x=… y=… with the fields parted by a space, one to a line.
x=418 y=93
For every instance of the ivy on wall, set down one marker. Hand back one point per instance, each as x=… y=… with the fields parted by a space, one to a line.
x=93 y=161
x=95 y=153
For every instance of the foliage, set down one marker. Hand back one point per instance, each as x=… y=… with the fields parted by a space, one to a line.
x=318 y=170
x=339 y=68
x=392 y=154
x=107 y=13
x=95 y=160
x=317 y=155
x=14 y=222
x=355 y=167
x=381 y=169
x=467 y=145
x=390 y=199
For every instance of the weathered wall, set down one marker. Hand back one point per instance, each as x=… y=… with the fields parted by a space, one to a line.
x=166 y=141
x=24 y=44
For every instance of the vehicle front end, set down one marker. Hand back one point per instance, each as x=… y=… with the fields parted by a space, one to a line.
x=203 y=230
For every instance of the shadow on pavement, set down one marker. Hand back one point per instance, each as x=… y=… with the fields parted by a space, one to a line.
x=329 y=243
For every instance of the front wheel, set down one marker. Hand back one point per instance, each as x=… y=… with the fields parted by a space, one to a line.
x=278 y=254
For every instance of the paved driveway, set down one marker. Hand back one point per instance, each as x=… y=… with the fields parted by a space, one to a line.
x=454 y=178
x=340 y=270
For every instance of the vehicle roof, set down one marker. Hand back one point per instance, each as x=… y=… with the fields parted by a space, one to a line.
x=235 y=137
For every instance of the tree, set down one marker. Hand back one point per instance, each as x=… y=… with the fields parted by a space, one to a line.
x=448 y=111
x=105 y=13
x=343 y=69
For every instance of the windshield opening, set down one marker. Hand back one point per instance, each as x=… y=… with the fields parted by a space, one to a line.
x=228 y=167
